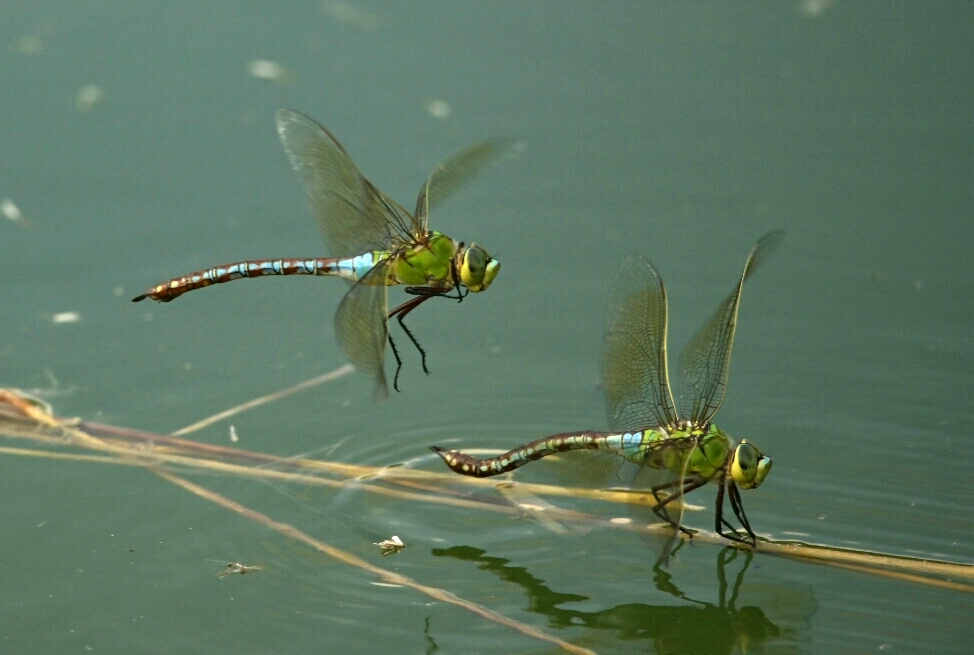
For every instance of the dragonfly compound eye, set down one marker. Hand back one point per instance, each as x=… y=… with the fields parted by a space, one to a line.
x=477 y=269
x=745 y=469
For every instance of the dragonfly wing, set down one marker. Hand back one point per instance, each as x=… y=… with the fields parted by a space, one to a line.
x=634 y=373
x=705 y=362
x=353 y=215
x=452 y=173
x=361 y=326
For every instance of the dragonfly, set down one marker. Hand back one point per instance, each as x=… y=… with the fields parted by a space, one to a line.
x=374 y=243
x=676 y=451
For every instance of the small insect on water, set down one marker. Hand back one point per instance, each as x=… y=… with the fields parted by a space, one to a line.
x=237 y=567
x=391 y=546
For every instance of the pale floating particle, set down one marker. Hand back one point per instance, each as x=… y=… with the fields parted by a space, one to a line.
x=266 y=69
x=438 y=109
x=66 y=317
x=188 y=366
x=391 y=546
x=621 y=520
x=118 y=291
x=88 y=96
x=346 y=12
x=29 y=44
x=10 y=210
x=918 y=285
x=233 y=435
x=815 y=8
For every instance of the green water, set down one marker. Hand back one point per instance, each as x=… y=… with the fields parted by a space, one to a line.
x=138 y=144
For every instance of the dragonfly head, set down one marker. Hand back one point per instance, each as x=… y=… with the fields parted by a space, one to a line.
x=477 y=268
x=750 y=467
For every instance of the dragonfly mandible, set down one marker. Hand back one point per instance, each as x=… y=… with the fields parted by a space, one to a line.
x=375 y=243
x=676 y=451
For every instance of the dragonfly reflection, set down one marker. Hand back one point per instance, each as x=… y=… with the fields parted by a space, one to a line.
x=696 y=627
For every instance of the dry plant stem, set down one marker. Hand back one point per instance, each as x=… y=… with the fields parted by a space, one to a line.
x=863 y=562
x=263 y=400
x=182 y=451
x=290 y=531
x=347 y=558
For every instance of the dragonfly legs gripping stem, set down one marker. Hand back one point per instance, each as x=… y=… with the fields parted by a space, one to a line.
x=662 y=501
x=735 y=500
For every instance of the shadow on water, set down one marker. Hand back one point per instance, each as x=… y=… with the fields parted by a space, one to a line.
x=696 y=627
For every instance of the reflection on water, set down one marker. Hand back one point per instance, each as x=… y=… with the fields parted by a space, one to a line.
x=696 y=627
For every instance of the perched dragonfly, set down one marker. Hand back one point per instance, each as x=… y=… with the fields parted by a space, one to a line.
x=374 y=242
x=677 y=452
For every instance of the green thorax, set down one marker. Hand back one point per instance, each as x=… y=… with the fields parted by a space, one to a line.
x=426 y=263
x=706 y=460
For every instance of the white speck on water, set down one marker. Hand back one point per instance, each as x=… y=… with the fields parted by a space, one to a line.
x=88 y=96
x=10 y=210
x=815 y=8
x=66 y=317
x=30 y=44
x=265 y=69
x=438 y=109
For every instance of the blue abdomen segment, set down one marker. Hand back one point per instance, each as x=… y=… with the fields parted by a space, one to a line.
x=349 y=268
x=631 y=445
x=353 y=268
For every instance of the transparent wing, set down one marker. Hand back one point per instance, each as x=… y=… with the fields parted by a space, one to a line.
x=637 y=385
x=361 y=326
x=455 y=171
x=705 y=362
x=353 y=215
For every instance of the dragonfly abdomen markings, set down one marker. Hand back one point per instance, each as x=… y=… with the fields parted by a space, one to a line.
x=350 y=268
x=631 y=445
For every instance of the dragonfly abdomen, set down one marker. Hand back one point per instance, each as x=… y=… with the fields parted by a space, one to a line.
x=349 y=268
x=632 y=446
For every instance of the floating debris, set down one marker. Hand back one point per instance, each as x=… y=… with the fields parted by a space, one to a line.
x=66 y=317
x=237 y=567
x=391 y=546
x=346 y=12
x=815 y=8
x=30 y=44
x=438 y=109
x=10 y=211
x=233 y=435
x=88 y=96
x=265 y=69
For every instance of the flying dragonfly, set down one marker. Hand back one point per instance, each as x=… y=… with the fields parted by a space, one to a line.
x=374 y=243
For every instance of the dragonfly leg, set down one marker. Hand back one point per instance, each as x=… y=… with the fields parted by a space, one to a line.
x=721 y=522
x=395 y=353
x=661 y=502
x=738 y=507
x=400 y=313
